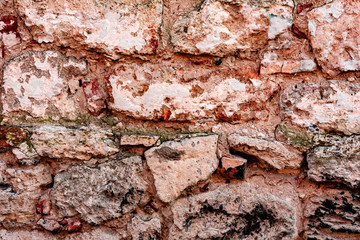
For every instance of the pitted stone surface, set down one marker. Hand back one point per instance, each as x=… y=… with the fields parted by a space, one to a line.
x=333 y=36
x=333 y=215
x=243 y=210
x=25 y=235
x=227 y=26
x=20 y=189
x=145 y=227
x=113 y=27
x=96 y=234
x=329 y=105
x=36 y=83
x=337 y=159
x=99 y=194
x=271 y=152
x=147 y=92
x=82 y=143
x=178 y=165
x=138 y=140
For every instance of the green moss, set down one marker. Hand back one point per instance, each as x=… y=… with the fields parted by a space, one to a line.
x=296 y=138
x=272 y=15
x=165 y=133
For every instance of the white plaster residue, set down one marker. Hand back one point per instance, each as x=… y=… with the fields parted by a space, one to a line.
x=157 y=92
x=115 y=31
x=256 y=82
x=321 y=118
x=350 y=65
x=354 y=118
x=214 y=17
x=9 y=39
x=278 y=25
x=344 y=35
x=236 y=85
x=333 y=10
x=312 y=27
x=2 y=25
x=342 y=101
x=306 y=66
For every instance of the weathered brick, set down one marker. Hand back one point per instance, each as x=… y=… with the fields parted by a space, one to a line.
x=113 y=27
x=333 y=36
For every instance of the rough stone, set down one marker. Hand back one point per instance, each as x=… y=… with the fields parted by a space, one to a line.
x=82 y=143
x=178 y=165
x=96 y=234
x=145 y=227
x=25 y=235
x=113 y=27
x=270 y=152
x=49 y=224
x=36 y=83
x=25 y=154
x=134 y=140
x=43 y=206
x=330 y=105
x=228 y=26
x=232 y=167
x=99 y=194
x=220 y=96
x=337 y=159
x=271 y=63
x=11 y=137
x=333 y=215
x=243 y=210
x=333 y=36
x=94 y=98
x=20 y=189
x=73 y=226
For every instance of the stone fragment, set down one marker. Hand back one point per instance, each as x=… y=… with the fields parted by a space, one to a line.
x=43 y=206
x=271 y=64
x=94 y=98
x=232 y=167
x=82 y=143
x=49 y=224
x=134 y=140
x=242 y=210
x=330 y=105
x=304 y=7
x=178 y=165
x=99 y=194
x=223 y=96
x=333 y=215
x=36 y=83
x=96 y=234
x=25 y=235
x=336 y=160
x=145 y=227
x=270 y=152
x=20 y=190
x=333 y=37
x=73 y=226
x=25 y=154
x=229 y=26
x=11 y=137
x=113 y=27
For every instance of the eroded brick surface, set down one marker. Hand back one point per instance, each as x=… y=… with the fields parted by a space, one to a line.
x=113 y=27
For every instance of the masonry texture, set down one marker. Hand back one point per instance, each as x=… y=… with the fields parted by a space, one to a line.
x=179 y=119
